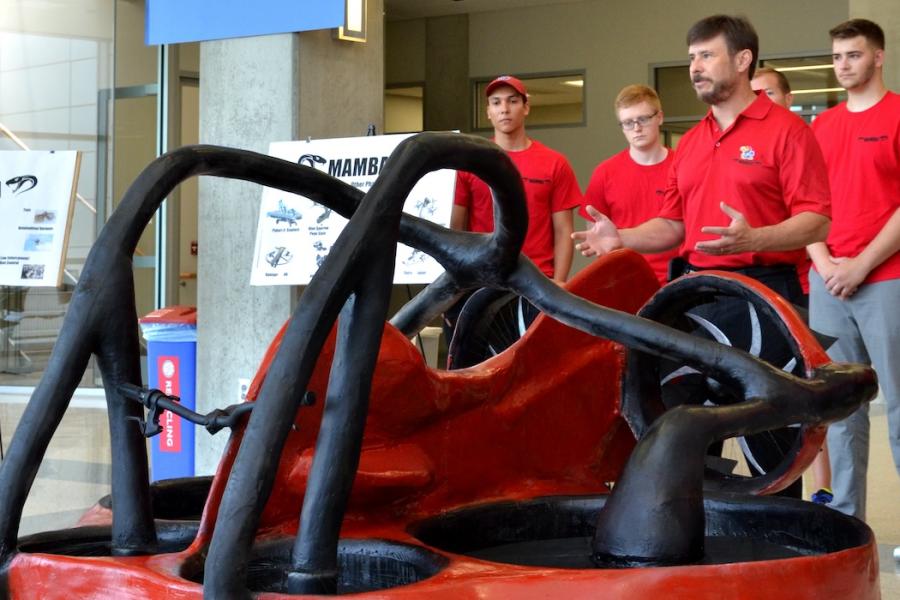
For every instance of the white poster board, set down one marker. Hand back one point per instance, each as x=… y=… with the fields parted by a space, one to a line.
x=37 y=196
x=295 y=234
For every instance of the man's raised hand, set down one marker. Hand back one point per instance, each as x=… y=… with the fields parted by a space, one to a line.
x=600 y=238
x=736 y=238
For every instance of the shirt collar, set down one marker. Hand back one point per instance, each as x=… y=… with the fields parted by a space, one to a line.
x=758 y=109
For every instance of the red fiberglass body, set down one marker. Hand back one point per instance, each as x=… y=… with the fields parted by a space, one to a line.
x=540 y=419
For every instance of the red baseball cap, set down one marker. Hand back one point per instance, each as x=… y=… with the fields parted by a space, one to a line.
x=509 y=80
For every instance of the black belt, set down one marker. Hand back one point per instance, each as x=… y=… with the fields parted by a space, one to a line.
x=679 y=266
x=755 y=271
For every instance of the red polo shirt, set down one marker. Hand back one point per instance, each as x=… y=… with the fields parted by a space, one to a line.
x=629 y=194
x=862 y=151
x=550 y=187
x=766 y=165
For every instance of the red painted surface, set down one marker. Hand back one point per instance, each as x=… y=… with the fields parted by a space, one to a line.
x=849 y=574
x=541 y=418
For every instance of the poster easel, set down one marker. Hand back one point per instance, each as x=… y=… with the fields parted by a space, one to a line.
x=37 y=199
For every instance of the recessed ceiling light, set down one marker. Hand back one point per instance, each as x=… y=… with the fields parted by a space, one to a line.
x=818 y=91
x=805 y=68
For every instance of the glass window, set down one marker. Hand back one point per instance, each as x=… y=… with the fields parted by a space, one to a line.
x=65 y=73
x=135 y=148
x=56 y=81
x=59 y=91
x=555 y=99
x=813 y=83
x=53 y=86
x=404 y=108
x=673 y=84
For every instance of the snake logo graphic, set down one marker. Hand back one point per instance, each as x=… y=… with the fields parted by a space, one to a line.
x=16 y=184
x=311 y=160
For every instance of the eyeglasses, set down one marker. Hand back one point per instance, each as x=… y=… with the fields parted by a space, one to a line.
x=642 y=121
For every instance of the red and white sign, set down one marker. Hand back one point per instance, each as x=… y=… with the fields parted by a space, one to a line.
x=169 y=376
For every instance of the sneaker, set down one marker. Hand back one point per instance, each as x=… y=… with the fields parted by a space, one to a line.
x=823 y=496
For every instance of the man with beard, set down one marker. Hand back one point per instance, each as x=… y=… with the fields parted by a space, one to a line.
x=855 y=288
x=746 y=192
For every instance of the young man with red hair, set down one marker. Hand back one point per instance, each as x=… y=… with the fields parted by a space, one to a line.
x=629 y=187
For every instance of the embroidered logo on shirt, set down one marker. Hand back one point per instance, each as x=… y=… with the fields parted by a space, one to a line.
x=873 y=138
x=533 y=180
x=747 y=153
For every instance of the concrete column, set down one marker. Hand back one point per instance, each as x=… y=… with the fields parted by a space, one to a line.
x=887 y=14
x=254 y=91
x=341 y=84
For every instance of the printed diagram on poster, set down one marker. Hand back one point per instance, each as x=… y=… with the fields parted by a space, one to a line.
x=37 y=196
x=295 y=234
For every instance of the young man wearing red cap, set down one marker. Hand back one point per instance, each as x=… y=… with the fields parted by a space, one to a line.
x=550 y=186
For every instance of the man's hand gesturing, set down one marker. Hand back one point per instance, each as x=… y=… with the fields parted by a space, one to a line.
x=601 y=238
x=736 y=238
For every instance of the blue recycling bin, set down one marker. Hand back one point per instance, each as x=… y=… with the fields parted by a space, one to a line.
x=171 y=335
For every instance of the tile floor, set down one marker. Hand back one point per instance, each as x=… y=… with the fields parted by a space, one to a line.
x=883 y=509
x=76 y=472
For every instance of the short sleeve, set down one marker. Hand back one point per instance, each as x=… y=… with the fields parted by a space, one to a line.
x=596 y=193
x=566 y=193
x=462 y=193
x=803 y=174
x=672 y=207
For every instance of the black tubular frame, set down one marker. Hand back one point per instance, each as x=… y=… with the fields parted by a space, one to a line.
x=354 y=282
